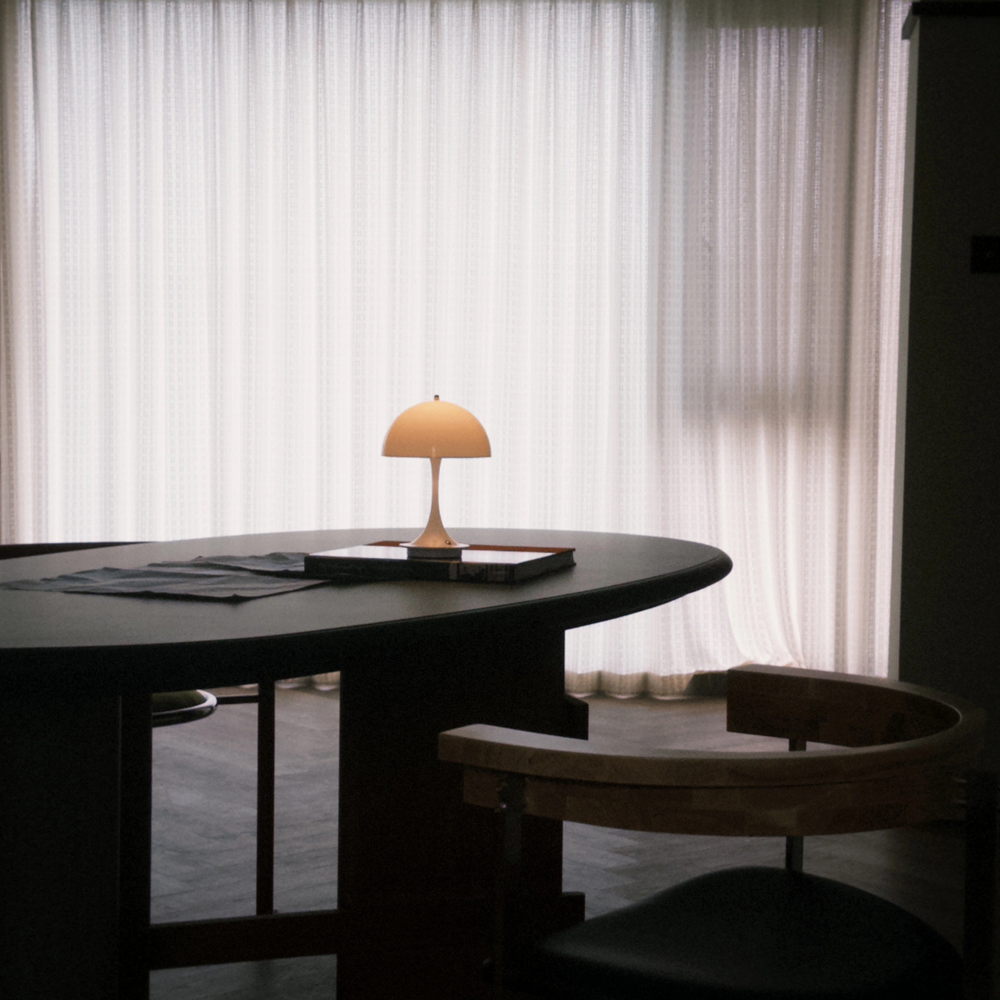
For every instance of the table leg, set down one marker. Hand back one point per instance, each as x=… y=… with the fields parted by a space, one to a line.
x=59 y=847
x=416 y=865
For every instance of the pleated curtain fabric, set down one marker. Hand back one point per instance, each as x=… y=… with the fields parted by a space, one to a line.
x=654 y=247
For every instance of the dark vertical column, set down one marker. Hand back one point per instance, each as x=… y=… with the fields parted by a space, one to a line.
x=950 y=569
x=58 y=847
x=980 y=924
x=416 y=865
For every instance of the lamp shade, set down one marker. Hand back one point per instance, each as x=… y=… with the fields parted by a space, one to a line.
x=436 y=430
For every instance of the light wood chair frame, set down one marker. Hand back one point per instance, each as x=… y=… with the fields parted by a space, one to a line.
x=901 y=755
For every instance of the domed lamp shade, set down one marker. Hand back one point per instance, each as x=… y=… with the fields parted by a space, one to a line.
x=436 y=430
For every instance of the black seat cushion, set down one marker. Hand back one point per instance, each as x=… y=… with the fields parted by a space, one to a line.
x=750 y=933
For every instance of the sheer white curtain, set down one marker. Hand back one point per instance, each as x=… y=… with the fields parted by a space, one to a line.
x=654 y=247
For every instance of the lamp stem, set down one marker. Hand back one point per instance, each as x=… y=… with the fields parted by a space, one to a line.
x=434 y=520
x=434 y=535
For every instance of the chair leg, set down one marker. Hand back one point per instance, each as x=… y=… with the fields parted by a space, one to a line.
x=794 y=852
x=265 y=797
x=794 y=846
x=506 y=904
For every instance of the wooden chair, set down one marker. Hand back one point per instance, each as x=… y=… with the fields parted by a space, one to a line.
x=901 y=756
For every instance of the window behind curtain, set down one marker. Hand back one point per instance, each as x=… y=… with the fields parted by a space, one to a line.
x=654 y=247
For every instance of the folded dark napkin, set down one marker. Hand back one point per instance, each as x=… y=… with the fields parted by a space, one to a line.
x=212 y=578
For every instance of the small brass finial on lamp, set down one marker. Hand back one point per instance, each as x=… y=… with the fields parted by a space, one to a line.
x=436 y=430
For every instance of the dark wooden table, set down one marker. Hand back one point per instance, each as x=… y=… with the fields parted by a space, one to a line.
x=415 y=658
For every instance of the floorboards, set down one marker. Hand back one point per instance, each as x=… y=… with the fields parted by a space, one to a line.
x=203 y=835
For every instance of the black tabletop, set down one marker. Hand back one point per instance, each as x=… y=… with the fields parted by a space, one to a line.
x=106 y=644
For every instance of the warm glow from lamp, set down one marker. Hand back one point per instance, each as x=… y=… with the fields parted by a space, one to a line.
x=436 y=430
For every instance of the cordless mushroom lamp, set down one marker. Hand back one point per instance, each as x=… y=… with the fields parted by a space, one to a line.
x=436 y=430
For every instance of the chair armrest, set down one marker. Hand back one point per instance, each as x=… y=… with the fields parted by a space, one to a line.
x=778 y=793
x=513 y=751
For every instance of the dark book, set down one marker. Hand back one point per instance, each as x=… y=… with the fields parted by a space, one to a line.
x=474 y=564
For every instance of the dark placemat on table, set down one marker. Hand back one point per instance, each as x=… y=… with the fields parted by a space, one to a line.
x=212 y=578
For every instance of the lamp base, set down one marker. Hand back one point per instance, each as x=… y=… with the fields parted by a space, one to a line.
x=415 y=551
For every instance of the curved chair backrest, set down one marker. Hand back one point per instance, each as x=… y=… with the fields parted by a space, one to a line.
x=898 y=749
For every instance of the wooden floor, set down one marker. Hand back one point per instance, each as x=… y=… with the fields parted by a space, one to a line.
x=203 y=822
